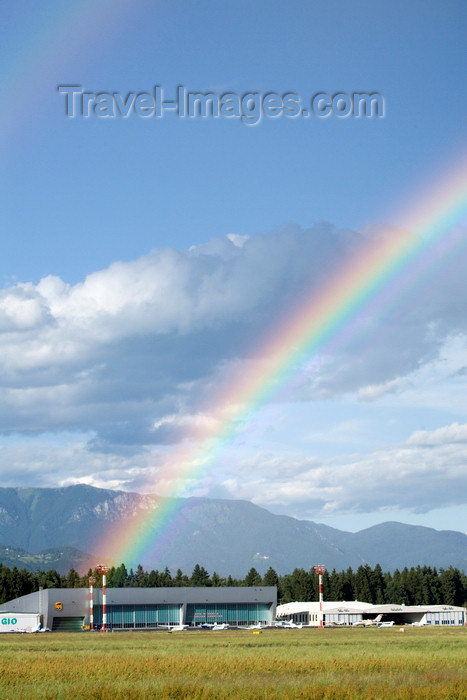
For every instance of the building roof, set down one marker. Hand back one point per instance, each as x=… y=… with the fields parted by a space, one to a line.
x=391 y=607
x=150 y=596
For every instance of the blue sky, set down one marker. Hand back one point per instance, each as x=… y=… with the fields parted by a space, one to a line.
x=143 y=258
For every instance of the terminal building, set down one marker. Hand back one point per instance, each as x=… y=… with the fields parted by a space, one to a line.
x=358 y=613
x=148 y=608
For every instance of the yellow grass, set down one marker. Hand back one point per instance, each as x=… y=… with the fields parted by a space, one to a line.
x=328 y=664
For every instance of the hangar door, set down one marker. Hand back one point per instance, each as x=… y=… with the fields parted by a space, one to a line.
x=67 y=624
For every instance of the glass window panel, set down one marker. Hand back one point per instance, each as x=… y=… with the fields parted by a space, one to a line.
x=174 y=614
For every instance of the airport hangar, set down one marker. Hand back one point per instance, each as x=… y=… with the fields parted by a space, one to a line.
x=355 y=612
x=149 y=608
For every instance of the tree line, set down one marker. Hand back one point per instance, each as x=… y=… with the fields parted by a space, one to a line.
x=421 y=585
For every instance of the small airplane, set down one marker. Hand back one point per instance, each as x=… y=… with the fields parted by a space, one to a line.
x=31 y=630
x=288 y=624
x=178 y=628
x=377 y=622
x=220 y=626
x=336 y=623
x=28 y=630
x=369 y=623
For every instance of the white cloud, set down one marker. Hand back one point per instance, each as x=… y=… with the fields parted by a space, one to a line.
x=131 y=356
x=21 y=309
x=449 y=434
x=407 y=476
x=374 y=391
x=415 y=476
x=237 y=239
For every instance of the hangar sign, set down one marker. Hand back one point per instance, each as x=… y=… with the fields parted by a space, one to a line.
x=19 y=622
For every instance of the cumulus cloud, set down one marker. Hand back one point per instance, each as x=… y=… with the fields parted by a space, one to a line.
x=50 y=461
x=424 y=473
x=22 y=309
x=454 y=433
x=131 y=355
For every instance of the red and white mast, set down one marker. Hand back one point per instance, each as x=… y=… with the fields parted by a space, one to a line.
x=320 y=569
x=92 y=581
x=103 y=569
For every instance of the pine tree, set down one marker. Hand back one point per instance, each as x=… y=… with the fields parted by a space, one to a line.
x=378 y=585
x=181 y=579
x=285 y=592
x=431 y=586
x=348 y=587
x=336 y=586
x=131 y=579
x=252 y=578
x=49 y=579
x=394 y=589
x=200 y=576
x=154 y=579
x=73 y=579
x=117 y=576
x=216 y=580
x=302 y=585
x=141 y=577
x=363 y=589
x=406 y=593
x=451 y=586
x=166 y=578
x=270 y=578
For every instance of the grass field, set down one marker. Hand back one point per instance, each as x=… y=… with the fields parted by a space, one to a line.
x=308 y=663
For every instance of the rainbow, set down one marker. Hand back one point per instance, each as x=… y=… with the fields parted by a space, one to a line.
x=50 y=41
x=322 y=322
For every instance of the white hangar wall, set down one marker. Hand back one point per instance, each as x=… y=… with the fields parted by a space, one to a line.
x=353 y=612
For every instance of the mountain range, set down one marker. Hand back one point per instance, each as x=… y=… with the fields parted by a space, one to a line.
x=227 y=536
